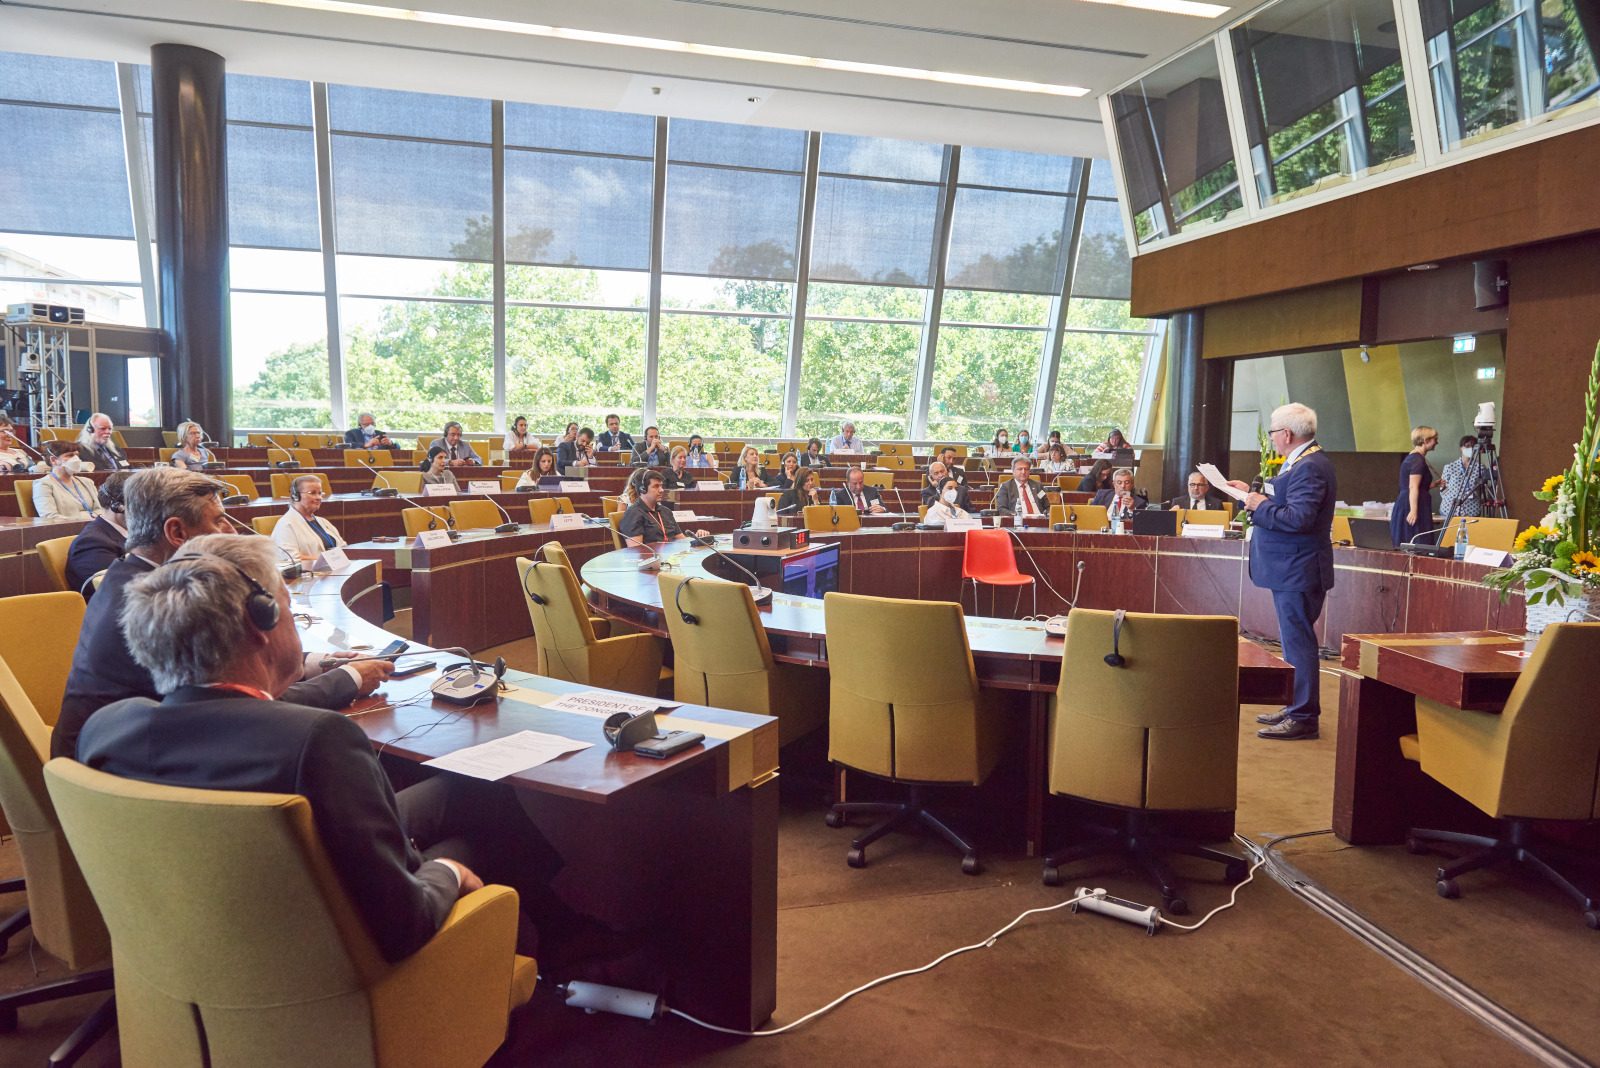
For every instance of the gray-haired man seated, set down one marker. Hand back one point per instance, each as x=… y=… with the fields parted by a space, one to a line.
x=403 y=858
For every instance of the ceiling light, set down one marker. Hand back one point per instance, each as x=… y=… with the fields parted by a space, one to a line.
x=343 y=7
x=1170 y=7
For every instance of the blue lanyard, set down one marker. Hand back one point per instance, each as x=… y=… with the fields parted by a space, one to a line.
x=72 y=488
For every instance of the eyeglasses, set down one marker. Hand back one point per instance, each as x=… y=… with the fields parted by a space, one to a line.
x=1278 y=430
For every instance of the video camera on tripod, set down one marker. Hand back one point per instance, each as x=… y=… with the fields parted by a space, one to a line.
x=1491 y=490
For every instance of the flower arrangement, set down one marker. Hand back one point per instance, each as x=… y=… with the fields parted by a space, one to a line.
x=1556 y=559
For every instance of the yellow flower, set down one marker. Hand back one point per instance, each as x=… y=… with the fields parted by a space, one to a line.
x=1532 y=534
x=1585 y=563
x=1553 y=483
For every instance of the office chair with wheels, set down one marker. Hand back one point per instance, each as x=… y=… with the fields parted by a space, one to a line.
x=1088 y=518
x=920 y=720
x=568 y=647
x=1536 y=760
x=419 y=519
x=257 y=956
x=475 y=515
x=830 y=518
x=556 y=553
x=61 y=910
x=540 y=509
x=1146 y=721
x=721 y=657
x=23 y=488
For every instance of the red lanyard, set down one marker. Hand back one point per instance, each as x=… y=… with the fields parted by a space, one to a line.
x=248 y=691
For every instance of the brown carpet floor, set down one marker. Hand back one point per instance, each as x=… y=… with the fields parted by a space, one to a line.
x=1269 y=982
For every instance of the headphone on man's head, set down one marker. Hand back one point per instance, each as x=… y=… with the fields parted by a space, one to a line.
x=260 y=607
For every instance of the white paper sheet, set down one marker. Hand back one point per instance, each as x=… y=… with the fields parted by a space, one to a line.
x=507 y=756
x=600 y=704
x=1214 y=477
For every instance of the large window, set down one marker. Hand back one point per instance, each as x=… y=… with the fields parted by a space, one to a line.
x=1495 y=65
x=1177 y=157
x=66 y=216
x=1324 y=94
x=1103 y=351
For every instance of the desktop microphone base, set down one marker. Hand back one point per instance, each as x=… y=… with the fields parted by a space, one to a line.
x=384 y=492
x=761 y=595
x=508 y=528
x=652 y=564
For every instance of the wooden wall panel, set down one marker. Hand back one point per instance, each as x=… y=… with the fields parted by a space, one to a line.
x=1540 y=191
x=1327 y=317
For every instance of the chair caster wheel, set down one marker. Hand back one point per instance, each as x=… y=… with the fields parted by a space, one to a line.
x=834 y=819
x=1235 y=873
x=1416 y=846
x=1591 y=919
x=970 y=865
x=856 y=858
x=1175 y=905
x=1447 y=888
x=1052 y=877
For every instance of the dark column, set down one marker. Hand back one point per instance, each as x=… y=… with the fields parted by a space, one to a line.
x=1199 y=405
x=191 y=199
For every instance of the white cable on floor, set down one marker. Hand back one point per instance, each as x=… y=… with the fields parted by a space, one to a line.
x=1232 y=898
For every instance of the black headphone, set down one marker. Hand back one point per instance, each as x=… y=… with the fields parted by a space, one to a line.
x=1115 y=658
x=260 y=607
x=534 y=597
x=294 y=488
x=687 y=618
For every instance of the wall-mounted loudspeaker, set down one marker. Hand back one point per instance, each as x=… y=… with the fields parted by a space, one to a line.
x=1491 y=284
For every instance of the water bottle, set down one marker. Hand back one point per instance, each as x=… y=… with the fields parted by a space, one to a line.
x=1461 y=541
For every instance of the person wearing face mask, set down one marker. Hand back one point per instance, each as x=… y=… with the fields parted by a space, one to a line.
x=63 y=493
x=1024 y=443
x=947 y=506
x=1001 y=442
x=934 y=488
x=1463 y=483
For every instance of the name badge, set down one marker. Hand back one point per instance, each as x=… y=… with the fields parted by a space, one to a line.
x=684 y=515
x=331 y=560
x=566 y=521
x=431 y=539
x=963 y=522
x=712 y=484
x=443 y=489
x=483 y=486
x=574 y=485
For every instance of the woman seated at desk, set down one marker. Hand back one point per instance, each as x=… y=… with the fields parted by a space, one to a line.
x=677 y=475
x=544 y=466
x=804 y=492
x=13 y=461
x=946 y=507
x=698 y=457
x=190 y=454
x=751 y=474
x=790 y=465
x=518 y=438
x=63 y=493
x=436 y=470
x=1057 y=462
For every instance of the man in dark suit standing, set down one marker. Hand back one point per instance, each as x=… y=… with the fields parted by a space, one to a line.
x=402 y=859
x=1198 y=495
x=1291 y=554
x=167 y=507
x=856 y=492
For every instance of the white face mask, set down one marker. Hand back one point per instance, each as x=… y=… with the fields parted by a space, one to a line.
x=1002 y=439
x=950 y=495
x=70 y=465
x=1466 y=454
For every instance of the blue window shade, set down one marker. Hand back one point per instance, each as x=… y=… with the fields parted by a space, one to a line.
x=581 y=211
x=412 y=198
x=880 y=157
x=63 y=172
x=1103 y=269
x=402 y=114
x=48 y=80
x=731 y=224
x=870 y=231
x=1007 y=241
x=1101 y=181
x=1018 y=170
x=272 y=188
x=580 y=130
x=276 y=100
x=730 y=144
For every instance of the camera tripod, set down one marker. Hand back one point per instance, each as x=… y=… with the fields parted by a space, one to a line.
x=1490 y=490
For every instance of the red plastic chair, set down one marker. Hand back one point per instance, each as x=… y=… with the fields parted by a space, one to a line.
x=990 y=559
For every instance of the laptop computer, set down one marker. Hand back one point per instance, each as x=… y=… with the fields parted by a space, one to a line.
x=1371 y=533
x=1156 y=521
x=550 y=483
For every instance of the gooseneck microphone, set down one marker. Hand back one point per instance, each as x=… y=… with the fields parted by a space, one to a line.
x=386 y=490
x=291 y=464
x=433 y=521
x=760 y=593
x=290 y=571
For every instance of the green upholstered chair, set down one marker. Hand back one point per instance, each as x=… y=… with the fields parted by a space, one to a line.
x=61 y=910
x=917 y=719
x=556 y=553
x=568 y=648
x=256 y=956
x=1536 y=760
x=1158 y=734
x=723 y=658
x=53 y=555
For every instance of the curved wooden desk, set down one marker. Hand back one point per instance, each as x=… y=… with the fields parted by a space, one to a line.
x=685 y=847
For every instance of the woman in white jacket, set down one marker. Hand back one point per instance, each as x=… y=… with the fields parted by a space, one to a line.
x=300 y=531
x=63 y=493
x=944 y=508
